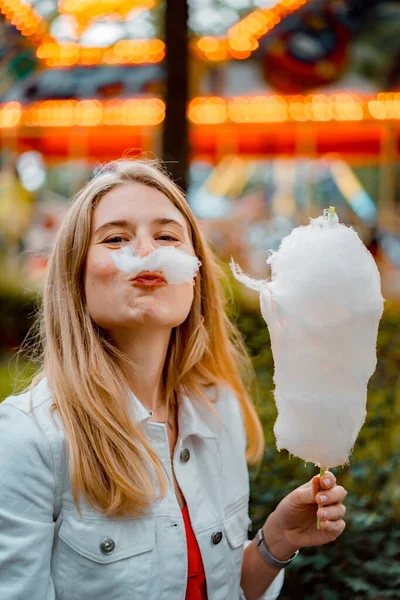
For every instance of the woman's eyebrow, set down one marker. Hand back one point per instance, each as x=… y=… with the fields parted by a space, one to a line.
x=167 y=222
x=124 y=223
x=119 y=223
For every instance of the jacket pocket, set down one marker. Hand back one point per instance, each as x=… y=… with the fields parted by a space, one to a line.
x=125 y=537
x=104 y=559
x=236 y=522
x=236 y=528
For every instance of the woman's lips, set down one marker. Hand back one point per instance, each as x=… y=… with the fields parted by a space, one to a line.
x=149 y=280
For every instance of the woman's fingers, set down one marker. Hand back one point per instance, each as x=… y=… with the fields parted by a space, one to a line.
x=333 y=528
x=327 y=481
x=335 y=512
x=337 y=494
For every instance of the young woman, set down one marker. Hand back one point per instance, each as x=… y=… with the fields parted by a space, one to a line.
x=123 y=468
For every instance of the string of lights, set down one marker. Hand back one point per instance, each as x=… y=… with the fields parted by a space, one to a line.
x=203 y=111
x=242 y=38
x=240 y=41
x=125 y=52
x=24 y=17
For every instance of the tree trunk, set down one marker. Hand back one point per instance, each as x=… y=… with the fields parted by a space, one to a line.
x=175 y=135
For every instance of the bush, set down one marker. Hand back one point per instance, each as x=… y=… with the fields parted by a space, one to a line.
x=17 y=309
x=364 y=562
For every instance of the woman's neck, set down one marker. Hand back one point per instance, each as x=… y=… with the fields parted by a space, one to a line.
x=147 y=350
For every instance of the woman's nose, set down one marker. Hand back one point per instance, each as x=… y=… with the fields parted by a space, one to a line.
x=145 y=251
x=144 y=246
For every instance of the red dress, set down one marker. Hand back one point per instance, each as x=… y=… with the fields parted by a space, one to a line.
x=196 y=583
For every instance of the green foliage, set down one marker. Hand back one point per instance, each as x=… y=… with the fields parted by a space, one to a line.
x=17 y=308
x=15 y=375
x=363 y=564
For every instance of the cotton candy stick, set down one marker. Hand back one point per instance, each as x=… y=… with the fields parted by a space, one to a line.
x=322 y=306
x=321 y=474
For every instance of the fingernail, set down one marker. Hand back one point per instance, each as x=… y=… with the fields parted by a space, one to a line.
x=327 y=482
x=323 y=499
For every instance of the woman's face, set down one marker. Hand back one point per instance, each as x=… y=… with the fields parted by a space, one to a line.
x=144 y=218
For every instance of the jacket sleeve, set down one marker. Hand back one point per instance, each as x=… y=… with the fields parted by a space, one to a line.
x=27 y=488
x=273 y=591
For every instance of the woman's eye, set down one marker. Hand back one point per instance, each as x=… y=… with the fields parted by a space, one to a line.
x=168 y=238
x=116 y=239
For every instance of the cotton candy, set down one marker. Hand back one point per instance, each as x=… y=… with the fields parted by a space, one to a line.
x=322 y=307
x=176 y=265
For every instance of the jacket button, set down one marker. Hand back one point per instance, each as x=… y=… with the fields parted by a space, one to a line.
x=107 y=546
x=185 y=455
x=216 y=537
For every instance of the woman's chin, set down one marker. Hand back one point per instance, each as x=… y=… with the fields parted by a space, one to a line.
x=154 y=314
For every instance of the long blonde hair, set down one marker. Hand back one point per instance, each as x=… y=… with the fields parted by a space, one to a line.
x=113 y=465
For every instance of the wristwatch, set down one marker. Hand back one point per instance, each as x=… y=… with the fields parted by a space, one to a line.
x=269 y=558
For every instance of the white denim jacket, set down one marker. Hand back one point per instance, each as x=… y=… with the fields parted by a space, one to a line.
x=48 y=551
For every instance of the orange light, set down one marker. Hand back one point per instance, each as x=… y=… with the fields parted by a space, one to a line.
x=84 y=113
x=387 y=106
x=10 y=115
x=210 y=48
x=243 y=36
x=124 y=52
x=243 y=44
x=209 y=111
x=208 y=44
x=274 y=108
x=260 y=109
x=270 y=108
x=347 y=108
x=23 y=16
x=142 y=112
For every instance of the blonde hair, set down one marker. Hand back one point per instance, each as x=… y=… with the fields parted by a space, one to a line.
x=113 y=465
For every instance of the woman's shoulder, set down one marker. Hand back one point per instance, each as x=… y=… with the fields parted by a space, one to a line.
x=31 y=398
x=34 y=406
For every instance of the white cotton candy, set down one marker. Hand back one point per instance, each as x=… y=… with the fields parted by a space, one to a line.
x=322 y=306
x=176 y=265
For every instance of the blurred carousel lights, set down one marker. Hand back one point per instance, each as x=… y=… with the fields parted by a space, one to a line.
x=277 y=109
x=84 y=113
x=24 y=17
x=123 y=52
x=239 y=43
x=10 y=115
x=86 y=10
x=242 y=38
x=203 y=110
x=31 y=170
x=386 y=106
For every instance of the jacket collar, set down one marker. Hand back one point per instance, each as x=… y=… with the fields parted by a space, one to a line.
x=194 y=417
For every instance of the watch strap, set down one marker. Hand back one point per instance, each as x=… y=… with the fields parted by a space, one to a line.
x=269 y=558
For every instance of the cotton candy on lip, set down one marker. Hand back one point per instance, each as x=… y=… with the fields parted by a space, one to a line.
x=175 y=265
x=322 y=306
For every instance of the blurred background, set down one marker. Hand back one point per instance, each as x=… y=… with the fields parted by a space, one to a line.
x=266 y=112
